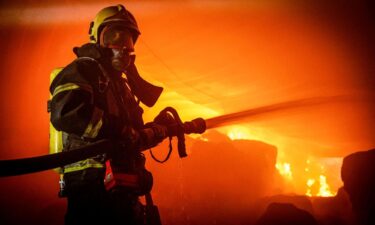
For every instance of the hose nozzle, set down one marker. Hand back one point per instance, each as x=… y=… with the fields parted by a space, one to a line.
x=197 y=126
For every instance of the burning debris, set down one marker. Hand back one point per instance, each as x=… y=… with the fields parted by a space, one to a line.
x=314 y=175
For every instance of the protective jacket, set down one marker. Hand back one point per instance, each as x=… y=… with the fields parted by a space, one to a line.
x=91 y=101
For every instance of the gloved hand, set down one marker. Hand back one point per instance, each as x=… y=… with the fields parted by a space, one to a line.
x=148 y=137
x=160 y=131
x=153 y=134
x=169 y=122
x=130 y=136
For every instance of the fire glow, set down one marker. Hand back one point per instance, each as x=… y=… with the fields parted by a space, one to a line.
x=324 y=189
x=260 y=53
x=239 y=133
x=316 y=183
x=285 y=170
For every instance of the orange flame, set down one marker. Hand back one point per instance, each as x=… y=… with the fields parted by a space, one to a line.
x=285 y=170
x=238 y=133
x=313 y=182
x=324 y=190
x=310 y=183
x=317 y=187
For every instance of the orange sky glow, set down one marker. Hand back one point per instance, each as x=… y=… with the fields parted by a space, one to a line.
x=212 y=58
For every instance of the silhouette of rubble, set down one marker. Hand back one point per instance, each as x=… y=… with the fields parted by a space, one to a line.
x=218 y=183
x=300 y=201
x=335 y=210
x=358 y=175
x=285 y=214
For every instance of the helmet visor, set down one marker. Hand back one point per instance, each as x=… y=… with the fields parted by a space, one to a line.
x=117 y=37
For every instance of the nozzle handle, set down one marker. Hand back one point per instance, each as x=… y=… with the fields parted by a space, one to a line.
x=170 y=118
x=196 y=126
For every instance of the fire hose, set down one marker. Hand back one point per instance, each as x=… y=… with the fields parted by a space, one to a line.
x=167 y=116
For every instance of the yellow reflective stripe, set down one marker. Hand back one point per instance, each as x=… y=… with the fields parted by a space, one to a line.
x=84 y=164
x=77 y=168
x=92 y=131
x=95 y=124
x=65 y=87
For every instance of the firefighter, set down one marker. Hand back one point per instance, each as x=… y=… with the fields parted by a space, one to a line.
x=97 y=97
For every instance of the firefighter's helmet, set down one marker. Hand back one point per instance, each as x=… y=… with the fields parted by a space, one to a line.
x=113 y=15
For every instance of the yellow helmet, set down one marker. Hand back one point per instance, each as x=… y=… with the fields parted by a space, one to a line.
x=113 y=15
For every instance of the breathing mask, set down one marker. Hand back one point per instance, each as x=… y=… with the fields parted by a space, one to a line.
x=119 y=40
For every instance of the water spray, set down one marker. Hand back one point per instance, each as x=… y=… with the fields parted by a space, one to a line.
x=232 y=118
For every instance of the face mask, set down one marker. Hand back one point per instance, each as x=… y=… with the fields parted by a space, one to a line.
x=121 y=59
x=119 y=40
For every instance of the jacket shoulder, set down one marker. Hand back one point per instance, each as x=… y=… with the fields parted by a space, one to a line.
x=83 y=70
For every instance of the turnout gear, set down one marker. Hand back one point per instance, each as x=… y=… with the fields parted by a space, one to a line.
x=97 y=97
x=91 y=100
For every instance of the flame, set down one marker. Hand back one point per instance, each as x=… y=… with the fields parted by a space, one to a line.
x=309 y=179
x=242 y=132
x=317 y=186
x=310 y=183
x=324 y=190
x=238 y=133
x=285 y=170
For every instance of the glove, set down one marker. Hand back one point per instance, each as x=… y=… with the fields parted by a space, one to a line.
x=130 y=136
x=167 y=120
x=160 y=131
x=153 y=134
